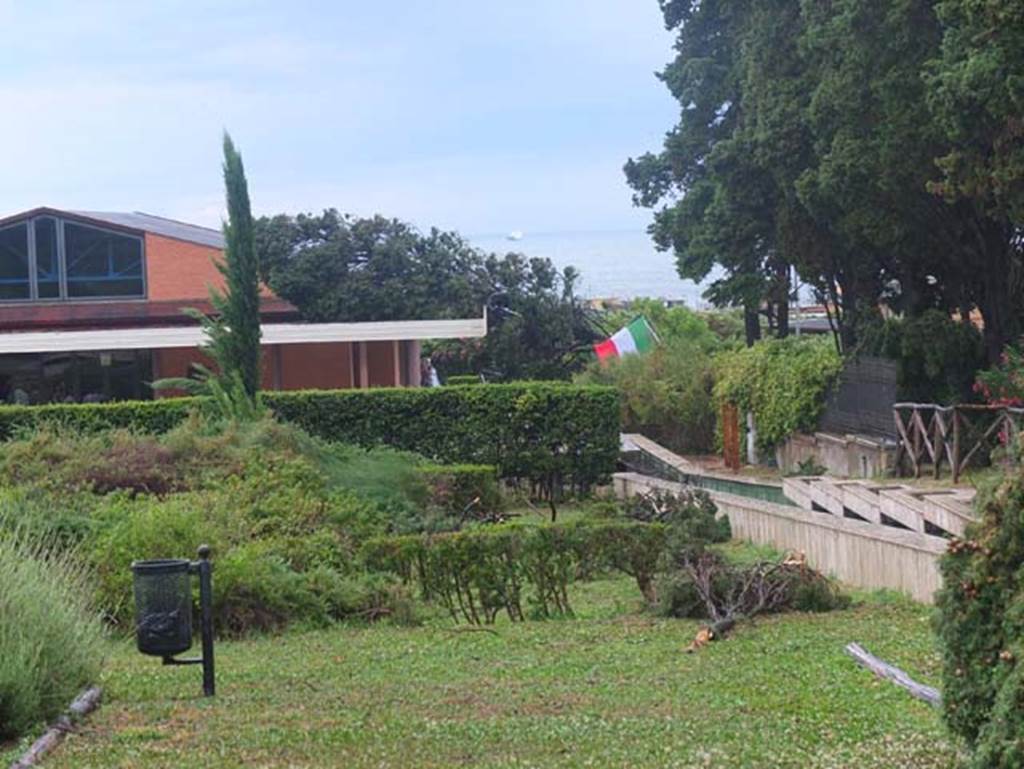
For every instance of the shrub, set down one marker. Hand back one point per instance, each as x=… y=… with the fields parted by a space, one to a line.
x=937 y=357
x=1003 y=385
x=981 y=629
x=477 y=574
x=782 y=381
x=689 y=515
x=50 y=638
x=271 y=528
x=674 y=324
x=464 y=491
x=63 y=520
x=551 y=436
x=666 y=394
x=461 y=380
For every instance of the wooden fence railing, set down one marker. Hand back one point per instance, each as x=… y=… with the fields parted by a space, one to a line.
x=956 y=435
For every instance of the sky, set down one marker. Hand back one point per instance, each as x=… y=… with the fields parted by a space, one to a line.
x=486 y=117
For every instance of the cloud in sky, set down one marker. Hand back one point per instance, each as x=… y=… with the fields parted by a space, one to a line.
x=477 y=116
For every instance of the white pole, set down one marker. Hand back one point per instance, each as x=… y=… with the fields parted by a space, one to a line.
x=796 y=284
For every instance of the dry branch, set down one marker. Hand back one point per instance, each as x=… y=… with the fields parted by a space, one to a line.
x=889 y=672
x=83 y=704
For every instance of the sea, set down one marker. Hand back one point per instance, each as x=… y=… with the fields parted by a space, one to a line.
x=617 y=264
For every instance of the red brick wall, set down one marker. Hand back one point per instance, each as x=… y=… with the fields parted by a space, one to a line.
x=326 y=366
x=323 y=366
x=175 y=362
x=380 y=360
x=179 y=270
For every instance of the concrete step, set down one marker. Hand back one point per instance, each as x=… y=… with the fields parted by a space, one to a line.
x=933 y=511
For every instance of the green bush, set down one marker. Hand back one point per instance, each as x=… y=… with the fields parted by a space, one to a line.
x=674 y=324
x=283 y=539
x=464 y=491
x=1003 y=384
x=50 y=637
x=666 y=394
x=461 y=380
x=784 y=383
x=552 y=436
x=479 y=573
x=981 y=629
x=937 y=357
x=62 y=519
x=689 y=515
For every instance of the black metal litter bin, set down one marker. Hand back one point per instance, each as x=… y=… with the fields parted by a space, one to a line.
x=163 y=606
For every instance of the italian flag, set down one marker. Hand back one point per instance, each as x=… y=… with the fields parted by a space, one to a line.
x=638 y=336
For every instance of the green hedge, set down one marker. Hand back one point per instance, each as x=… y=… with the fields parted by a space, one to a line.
x=479 y=573
x=457 y=380
x=554 y=436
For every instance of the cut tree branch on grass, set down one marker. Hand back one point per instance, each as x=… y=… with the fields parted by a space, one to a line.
x=82 y=705
x=883 y=669
x=733 y=593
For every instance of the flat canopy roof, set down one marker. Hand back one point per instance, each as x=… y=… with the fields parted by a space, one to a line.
x=273 y=333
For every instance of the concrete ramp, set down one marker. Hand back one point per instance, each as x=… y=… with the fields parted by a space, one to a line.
x=871 y=534
x=859 y=553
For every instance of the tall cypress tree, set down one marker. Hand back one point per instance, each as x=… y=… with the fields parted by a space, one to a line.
x=233 y=330
x=236 y=339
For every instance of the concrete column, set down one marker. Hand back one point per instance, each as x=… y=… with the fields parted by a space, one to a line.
x=751 y=439
x=364 y=367
x=412 y=357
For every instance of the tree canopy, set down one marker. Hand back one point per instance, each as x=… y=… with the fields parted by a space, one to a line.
x=340 y=268
x=820 y=134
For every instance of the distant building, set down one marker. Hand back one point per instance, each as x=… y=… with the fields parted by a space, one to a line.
x=91 y=309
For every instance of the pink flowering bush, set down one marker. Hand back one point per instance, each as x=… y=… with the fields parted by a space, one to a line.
x=1003 y=385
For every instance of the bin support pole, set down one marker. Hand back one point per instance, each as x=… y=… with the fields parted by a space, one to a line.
x=206 y=618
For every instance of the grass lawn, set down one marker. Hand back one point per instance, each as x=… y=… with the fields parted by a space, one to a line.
x=611 y=688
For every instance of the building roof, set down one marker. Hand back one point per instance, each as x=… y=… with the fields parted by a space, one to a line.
x=158 y=225
x=135 y=221
x=143 y=338
x=130 y=313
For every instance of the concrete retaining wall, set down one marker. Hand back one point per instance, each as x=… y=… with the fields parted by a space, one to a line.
x=859 y=553
x=844 y=456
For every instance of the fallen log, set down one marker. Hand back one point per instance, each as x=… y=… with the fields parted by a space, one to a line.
x=82 y=705
x=892 y=673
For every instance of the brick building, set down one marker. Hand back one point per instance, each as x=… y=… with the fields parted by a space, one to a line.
x=90 y=309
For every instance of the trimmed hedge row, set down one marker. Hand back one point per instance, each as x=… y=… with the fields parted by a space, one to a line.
x=479 y=573
x=463 y=380
x=552 y=435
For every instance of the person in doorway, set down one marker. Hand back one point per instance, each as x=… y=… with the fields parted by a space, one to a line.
x=428 y=374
